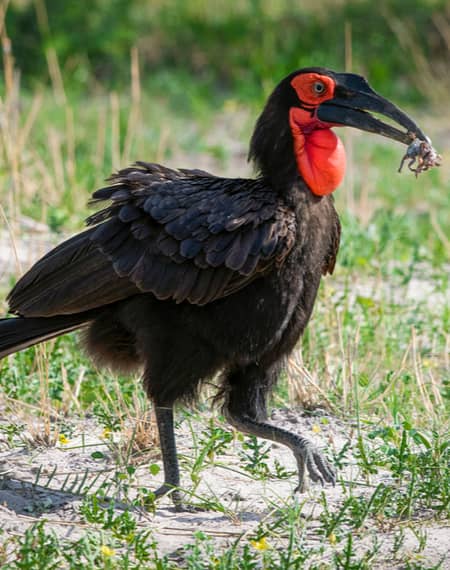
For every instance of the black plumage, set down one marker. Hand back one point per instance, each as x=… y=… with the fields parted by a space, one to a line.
x=186 y=274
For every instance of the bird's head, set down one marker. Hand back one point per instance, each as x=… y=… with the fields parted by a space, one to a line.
x=293 y=134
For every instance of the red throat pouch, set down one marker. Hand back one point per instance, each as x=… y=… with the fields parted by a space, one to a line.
x=320 y=156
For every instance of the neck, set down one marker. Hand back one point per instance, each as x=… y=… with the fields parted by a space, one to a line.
x=272 y=155
x=316 y=155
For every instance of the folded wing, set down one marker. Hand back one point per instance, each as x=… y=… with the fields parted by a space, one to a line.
x=178 y=234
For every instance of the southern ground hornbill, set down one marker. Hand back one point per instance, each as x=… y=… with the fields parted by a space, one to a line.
x=185 y=274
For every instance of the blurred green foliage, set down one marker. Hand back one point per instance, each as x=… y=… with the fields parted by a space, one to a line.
x=242 y=46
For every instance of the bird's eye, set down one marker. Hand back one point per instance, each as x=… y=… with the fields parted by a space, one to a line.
x=319 y=87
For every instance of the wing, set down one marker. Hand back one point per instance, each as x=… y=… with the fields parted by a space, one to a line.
x=190 y=236
x=179 y=234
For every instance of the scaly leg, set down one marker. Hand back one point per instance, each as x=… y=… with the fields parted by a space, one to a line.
x=245 y=410
x=164 y=419
x=306 y=453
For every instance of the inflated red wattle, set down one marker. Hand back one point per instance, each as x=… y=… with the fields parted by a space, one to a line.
x=320 y=156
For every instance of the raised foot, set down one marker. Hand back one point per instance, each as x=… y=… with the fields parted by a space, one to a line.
x=305 y=452
x=319 y=468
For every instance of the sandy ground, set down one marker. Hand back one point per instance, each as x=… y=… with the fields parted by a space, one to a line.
x=47 y=483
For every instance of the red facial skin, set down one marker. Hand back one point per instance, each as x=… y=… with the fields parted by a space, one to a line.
x=319 y=152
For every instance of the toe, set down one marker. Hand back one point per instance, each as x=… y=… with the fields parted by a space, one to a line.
x=320 y=469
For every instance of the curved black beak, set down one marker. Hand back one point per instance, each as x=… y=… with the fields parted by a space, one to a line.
x=353 y=98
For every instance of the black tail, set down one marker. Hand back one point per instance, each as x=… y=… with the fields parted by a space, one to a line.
x=21 y=332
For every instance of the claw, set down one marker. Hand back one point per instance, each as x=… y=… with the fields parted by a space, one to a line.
x=306 y=454
x=319 y=469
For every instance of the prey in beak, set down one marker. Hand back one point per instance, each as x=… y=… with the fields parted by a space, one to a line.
x=352 y=104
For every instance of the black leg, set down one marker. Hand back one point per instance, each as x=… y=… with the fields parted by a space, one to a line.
x=244 y=410
x=164 y=418
x=172 y=374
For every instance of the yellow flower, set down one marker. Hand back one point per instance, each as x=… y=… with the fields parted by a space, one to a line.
x=260 y=544
x=106 y=433
x=63 y=439
x=332 y=538
x=107 y=551
x=316 y=428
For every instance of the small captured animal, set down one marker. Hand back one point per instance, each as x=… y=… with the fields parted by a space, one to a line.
x=422 y=152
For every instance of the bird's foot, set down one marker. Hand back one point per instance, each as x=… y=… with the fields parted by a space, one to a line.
x=175 y=494
x=319 y=468
x=305 y=452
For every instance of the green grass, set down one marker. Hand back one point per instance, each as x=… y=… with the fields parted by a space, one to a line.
x=235 y=46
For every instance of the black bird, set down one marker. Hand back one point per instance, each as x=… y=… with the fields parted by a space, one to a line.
x=185 y=274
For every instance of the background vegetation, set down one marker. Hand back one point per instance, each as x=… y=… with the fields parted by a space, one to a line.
x=90 y=86
x=234 y=47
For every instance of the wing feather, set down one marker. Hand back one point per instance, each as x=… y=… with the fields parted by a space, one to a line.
x=198 y=236
x=178 y=234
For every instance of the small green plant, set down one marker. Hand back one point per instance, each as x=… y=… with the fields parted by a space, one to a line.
x=12 y=432
x=254 y=456
x=38 y=549
x=349 y=559
x=122 y=526
x=213 y=441
x=419 y=460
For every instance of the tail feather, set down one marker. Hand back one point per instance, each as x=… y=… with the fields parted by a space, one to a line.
x=21 y=332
